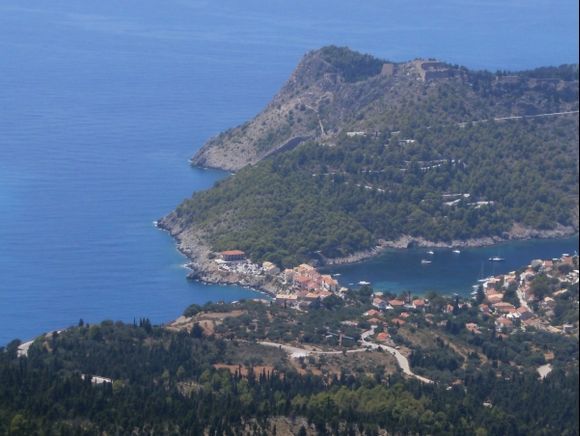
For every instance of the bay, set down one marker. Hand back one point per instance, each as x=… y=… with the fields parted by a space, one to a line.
x=102 y=103
x=401 y=270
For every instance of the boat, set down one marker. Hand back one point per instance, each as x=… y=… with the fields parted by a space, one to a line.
x=496 y=259
x=362 y=283
x=457 y=251
x=425 y=261
x=431 y=252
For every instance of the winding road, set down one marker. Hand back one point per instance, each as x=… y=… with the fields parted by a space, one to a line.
x=402 y=361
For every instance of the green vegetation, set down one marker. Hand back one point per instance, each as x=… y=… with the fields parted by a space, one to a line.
x=414 y=147
x=166 y=382
x=351 y=65
x=337 y=200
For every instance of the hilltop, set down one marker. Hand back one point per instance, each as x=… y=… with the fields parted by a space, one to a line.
x=355 y=152
x=335 y=89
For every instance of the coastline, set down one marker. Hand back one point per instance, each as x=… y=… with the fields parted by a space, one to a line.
x=202 y=268
x=192 y=245
x=517 y=233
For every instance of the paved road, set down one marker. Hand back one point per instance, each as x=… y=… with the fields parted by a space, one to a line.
x=296 y=352
x=517 y=117
x=402 y=361
x=23 y=348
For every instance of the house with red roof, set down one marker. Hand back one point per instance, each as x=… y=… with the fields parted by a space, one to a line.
x=383 y=337
x=233 y=255
x=396 y=303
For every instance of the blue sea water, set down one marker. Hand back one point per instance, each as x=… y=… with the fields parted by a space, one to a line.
x=102 y=103
x=402 y=270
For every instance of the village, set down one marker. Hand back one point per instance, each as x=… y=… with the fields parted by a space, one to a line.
x=297 y=287
x=529 y=298
x=519 y=300
x=521 y=321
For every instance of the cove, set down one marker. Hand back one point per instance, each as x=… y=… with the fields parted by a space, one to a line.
x=448 y=273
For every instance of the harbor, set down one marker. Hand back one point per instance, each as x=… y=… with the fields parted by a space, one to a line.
x=448 y=272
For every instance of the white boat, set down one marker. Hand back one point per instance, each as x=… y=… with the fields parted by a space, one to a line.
x=496 y=259
x=362 y=282
x=457 y=251
x=431 y=252
x=425 y=262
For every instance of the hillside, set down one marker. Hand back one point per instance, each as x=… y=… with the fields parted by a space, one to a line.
x=391 y=153
x=334 y=90
x=210 y=372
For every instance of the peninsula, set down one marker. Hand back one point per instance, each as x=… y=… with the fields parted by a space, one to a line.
x=356 y=153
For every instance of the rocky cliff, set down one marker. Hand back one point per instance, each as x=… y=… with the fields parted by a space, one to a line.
x=335 y=90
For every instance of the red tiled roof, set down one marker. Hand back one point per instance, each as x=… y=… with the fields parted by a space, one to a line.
x=383 y=336
x=233 y=253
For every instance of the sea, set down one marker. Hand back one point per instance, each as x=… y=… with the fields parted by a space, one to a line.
x=103 y=102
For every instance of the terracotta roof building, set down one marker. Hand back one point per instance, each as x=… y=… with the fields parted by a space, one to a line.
x=233 y=255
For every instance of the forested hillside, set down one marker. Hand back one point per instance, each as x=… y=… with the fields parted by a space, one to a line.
x=162 y=382
x=449 y=183
x=416 y=150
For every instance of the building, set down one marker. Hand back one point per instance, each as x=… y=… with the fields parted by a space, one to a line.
x=379 y=303
x=432 y=69
x=329 y=283
x=372 y=312
x=233 y=255
x=286 y=299
x=418 y=303
x=270 y=268
x=396 y=303
x=494 y=298
x=504 y=307
x=383 y=337
x=503 y=325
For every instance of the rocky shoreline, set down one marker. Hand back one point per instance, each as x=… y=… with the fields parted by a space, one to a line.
x=191 y=244
x=517 y=233
x=201 y=266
